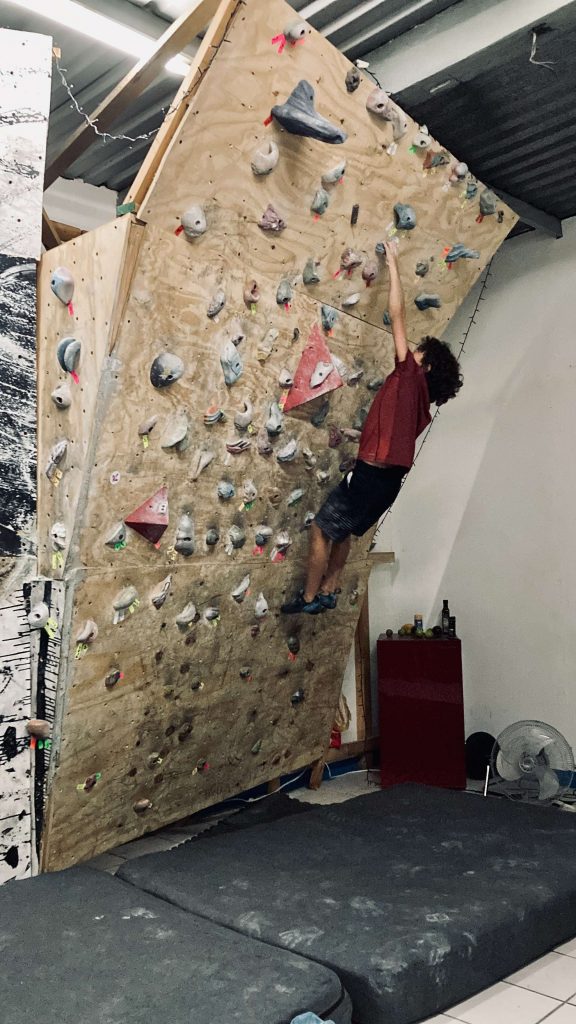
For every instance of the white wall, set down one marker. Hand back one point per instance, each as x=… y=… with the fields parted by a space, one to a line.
x=487 y=517
x=79 y=204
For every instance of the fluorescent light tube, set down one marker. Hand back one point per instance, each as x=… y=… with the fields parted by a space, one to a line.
x=98 y=27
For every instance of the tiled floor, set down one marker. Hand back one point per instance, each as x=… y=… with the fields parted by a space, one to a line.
x=545 y=990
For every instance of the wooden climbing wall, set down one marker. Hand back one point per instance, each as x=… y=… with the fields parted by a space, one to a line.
x=158 y=718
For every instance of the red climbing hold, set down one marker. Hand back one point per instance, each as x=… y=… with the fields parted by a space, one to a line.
x=316 y=351
x=150 y=519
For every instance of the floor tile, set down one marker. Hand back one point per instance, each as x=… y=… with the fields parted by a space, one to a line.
x=441 y=1019
x=553 y=975
x=504 y=1004
x=563 y=1015
x=567 y=948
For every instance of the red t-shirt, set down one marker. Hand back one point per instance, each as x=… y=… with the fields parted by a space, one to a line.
x=397 y=416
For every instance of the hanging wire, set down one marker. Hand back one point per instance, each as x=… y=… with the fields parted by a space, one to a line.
x=539 y=63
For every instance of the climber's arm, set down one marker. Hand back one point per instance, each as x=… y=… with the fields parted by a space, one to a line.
x=396 y=303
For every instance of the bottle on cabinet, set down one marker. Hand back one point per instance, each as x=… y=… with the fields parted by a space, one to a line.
x=445 y=619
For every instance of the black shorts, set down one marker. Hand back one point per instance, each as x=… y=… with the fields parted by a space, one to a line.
x=359 y=500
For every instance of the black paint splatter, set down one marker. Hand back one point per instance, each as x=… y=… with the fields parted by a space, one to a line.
x=9 y=743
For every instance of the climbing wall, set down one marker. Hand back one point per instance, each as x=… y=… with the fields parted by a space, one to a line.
x=198 y=450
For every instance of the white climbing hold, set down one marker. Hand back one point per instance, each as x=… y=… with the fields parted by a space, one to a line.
x=320 y=373
x=239 y=592
x=193 y=222
x=265 y=159
x=260 y=606
x=38 y=615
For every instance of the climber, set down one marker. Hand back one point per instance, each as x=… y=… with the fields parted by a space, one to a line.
x=399 y=413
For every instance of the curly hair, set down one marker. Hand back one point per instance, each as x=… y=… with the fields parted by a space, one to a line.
x=443 y=377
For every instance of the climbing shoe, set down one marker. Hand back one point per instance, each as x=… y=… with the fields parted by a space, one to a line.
x=328 y=601
x=300 y=605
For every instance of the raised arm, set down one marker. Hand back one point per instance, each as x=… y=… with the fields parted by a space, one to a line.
x=396 y=303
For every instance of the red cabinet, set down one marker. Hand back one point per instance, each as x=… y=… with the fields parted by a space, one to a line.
x=421 y=711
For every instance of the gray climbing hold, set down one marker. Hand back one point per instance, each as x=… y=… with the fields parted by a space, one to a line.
x=161 y=591
x=320 y=415
x=217 y=304
x=236 y=447
x=352 y=80
x=354 y=377
x=321 y=371
x=262 y=443
x=288 y=452
x=285 y=378
x=212 y=536
x=165 y=370
x=459 y=172
x=380 y=249
x=295 y=496
x=293 y=644
x=488 y=202
x=236 y=538
x=193 y=222
x=271 y=220
x=114 y=676
x=244 y=416
x=275 y=422
x=211 y=614
x=320 y=201
x=176 y=432
x=56 y=456
x=461 y=252
x=360 y=418
x=88 y=633
x=351 y=300
x=297 y=698
x=404 y=217
x=335 y=174
x=322 y=476
x=375 y=384
x=282 y=542
x=310 y=459
x=386 y=318
x=265 y=159
x=283 y=294
x=239 y=592
x=202 y=458
x=298 y=116
x=329 y=317
x=186 y=617
x=256 y=747
x=235 y=331
x=116 y=536
x=147 y=426
x=141 y=806
x=225 y=490
x=262 y=535
x=62 y=396
x=184 y=543
x=38 y=615
x=62 y=284
x=424 y=301
x=340 y=367
x=380 y=104
x=471 y=189
x=422 y=268
x=422 y=139
x=231 y=363
x=266 y=345
x=310 y=274
x=122 y=602
x=309 y=518
x=58 y=536
x=249 y=491
x=68 y=353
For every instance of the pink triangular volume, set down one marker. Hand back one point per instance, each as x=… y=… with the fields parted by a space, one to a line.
x=316 y=351
x=150 y=519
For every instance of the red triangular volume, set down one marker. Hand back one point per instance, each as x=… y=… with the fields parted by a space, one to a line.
x=316 y=351
x=150 y=519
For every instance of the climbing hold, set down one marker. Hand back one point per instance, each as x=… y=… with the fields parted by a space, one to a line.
x=202 y=458
x=252 y=294
x=339 y=366
x=249 y=492
x=239 y=592
x=295 y=496
x=39 y=727
x=370 y=272
x=68 y=354
x=459 y=172
x=309 y=458
x=242 y=444
x=275 y=422
x=211 y=614
x=404 y=217
x=349 y=260
x=351 y=434
x=335 y=175
x=274 y=497
x=422 y=139
x=236 y=539
x=184 y=543
x=246 y=673
x=265 y=158
x=288 y=452
x=380 y=249
x=62 y=284
x=354 y=214
x=213 y=415
x=262 y=535
x=217 y=304
x=284 y=295
x=298 y=116
x=176 y=431
x=424 y=301
x=256 y=748
x=471 y=189
x=147 y=426
x=56 y=456
x=310 y=274
x=212 y=537
x=322 y=476
x=461 y=252
x=38 y=615
x=285 y=378
x=113 y=677
x=297 y=697
x=166 y=369
x=271 y=220
x=309 y=518
x=335 y=436
x=62 y=396
x=351 y=300
x=161 y=591
x=243 y=418
x=347 y=464
x=187 y=616
x=236 y=332
x=320 y=202
x=437 y=159
x=386 y=318
x=124 y=602
x=375 y=384
x=293 y=644
x=193 y=222
x=321 y=371
x=352 y=80
x=142 y=805
x=360 y=418
x=488 y=202
x=225 y=490
x=150 y=519
x=154 y=759
x=117 y=537
x=231 y=363
x=329 y=317
x=320 y=415
x=353 y=596
x=88 y=633
x=265 y=346
x=355 y=377
x=296 y=31
x=380 y=104
x=58 y=536
x=262 y=443
x=422 y=268
x=500 y=217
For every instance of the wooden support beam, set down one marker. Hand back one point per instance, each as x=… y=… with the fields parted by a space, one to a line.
x=356 y=748
x=50 y=235
x=362 y=673
x=181 y=102
x=177 y=36
x=382 y=556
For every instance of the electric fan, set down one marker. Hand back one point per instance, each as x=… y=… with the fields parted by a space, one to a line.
x=532 y=761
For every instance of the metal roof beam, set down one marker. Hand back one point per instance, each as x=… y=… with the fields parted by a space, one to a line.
x=173 y=40
x=547 y=222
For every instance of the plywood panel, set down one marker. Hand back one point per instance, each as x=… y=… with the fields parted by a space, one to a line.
x=209 y=163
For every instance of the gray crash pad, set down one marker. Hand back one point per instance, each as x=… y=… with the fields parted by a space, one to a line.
x=416 y=897
x=79 y=947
